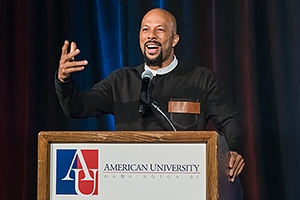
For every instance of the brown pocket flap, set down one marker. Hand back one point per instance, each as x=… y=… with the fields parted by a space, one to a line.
x=184 y=107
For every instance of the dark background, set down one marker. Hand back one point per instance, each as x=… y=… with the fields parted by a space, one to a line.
x=253 y=46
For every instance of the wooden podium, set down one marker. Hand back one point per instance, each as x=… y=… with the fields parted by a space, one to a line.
x=218 y=185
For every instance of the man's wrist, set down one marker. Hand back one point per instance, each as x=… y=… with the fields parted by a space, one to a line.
x=63 y=80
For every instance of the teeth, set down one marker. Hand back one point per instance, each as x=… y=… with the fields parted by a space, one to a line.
x=152 y=46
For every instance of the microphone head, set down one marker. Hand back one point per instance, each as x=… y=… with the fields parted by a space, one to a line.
x=147 y=74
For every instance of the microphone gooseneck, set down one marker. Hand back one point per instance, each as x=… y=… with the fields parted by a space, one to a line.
x=155 y=105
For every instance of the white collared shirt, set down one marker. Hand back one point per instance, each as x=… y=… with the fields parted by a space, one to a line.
x=164 y=70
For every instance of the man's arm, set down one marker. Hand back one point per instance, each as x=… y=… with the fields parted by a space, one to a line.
x=93 y=102
x=224 y=115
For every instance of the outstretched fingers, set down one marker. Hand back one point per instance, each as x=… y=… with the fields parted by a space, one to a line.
x=74 y=66
x=67 y=63
x=64 y=49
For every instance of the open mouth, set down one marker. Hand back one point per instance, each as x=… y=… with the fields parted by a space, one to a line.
x=152 y=47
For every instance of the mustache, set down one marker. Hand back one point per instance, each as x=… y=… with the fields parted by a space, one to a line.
x=153 y=42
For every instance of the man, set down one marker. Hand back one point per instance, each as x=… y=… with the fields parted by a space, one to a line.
x=189 y=95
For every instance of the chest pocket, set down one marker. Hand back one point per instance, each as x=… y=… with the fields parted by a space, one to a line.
x=184 y=113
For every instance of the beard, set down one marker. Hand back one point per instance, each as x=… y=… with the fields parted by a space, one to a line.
x=153 y=62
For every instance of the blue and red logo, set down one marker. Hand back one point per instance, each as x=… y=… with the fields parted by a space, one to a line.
x=77 y=172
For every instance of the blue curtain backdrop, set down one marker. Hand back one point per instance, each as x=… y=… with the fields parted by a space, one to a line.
x=252 y=45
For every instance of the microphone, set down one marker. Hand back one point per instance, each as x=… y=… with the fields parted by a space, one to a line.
x=144 y=101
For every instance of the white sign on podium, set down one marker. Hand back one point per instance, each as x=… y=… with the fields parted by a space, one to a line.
x=128 y=171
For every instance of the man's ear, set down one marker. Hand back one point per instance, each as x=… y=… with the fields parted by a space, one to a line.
x=175 y=40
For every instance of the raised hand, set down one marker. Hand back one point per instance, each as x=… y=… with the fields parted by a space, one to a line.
x=67 y=63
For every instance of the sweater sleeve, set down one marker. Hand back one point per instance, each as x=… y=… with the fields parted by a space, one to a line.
x=224 y=115
x=94 y=102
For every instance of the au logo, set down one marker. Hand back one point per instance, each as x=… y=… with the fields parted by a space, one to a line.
x=77 y=172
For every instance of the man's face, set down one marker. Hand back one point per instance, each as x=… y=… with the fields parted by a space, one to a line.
x=157 y=38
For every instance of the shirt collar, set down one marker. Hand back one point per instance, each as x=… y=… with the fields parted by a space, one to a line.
x=165 y=70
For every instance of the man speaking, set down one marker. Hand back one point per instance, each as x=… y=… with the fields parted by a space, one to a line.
x=188 y=95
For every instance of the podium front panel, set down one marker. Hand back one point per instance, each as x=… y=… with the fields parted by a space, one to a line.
x=112 y=171
x=139 y=164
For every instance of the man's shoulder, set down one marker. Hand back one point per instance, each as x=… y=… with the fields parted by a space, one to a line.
x=186 y=67
x=126 y=72
x=129 y=69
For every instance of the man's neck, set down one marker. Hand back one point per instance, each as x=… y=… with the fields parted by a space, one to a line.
x=163 y=70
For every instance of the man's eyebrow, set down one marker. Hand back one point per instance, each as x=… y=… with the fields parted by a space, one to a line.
x=158 y=25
